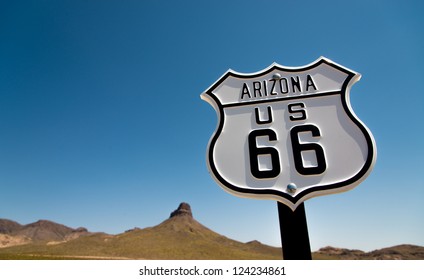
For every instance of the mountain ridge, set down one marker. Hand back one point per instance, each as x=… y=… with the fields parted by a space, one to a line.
x=178 y=237
x=397 y=252
x=12 y=233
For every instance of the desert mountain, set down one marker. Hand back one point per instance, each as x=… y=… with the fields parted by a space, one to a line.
x=13 y=233
x=44 y=230
x=400 y=252
x=183 y=237
x=180 y=236
x=8 y=226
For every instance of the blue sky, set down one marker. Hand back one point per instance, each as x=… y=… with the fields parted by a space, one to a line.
x=102 y=125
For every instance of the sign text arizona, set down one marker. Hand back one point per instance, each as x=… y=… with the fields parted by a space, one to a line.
x=277 y=85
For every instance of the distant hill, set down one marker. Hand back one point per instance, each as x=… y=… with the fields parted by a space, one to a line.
x=8 y=226
x=13 y=233
x=400 y=252
x=178 y=237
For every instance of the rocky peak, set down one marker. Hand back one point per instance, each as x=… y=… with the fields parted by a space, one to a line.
x=183 y=210
x=81 y=229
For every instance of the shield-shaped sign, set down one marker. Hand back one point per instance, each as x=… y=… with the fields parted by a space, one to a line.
x=288 y=133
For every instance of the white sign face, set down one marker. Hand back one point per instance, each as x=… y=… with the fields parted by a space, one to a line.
x=288 y=133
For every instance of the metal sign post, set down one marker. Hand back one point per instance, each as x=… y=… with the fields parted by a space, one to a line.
x=288 y=134
x=294 y=233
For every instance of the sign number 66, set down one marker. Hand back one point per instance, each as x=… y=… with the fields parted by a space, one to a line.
x=255 y=152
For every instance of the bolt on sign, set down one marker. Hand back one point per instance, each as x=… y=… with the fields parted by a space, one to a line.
x=288 y=133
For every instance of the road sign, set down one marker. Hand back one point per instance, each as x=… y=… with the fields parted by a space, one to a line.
x=288 y=133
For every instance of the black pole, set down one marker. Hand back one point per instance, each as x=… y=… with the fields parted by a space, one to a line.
x=294 y=233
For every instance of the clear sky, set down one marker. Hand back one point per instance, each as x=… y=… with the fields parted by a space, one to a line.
x=102 y=125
